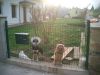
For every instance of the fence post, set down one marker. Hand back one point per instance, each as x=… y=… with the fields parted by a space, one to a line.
x=3 y=44
x=7 y=39
x=87 y=42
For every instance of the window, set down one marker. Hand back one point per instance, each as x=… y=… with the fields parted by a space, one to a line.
x=0 y=8
x=13 y=7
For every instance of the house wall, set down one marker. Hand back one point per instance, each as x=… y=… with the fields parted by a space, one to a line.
x=7 y=11
x=74 y=12
x=6 y=4
x=28 y=14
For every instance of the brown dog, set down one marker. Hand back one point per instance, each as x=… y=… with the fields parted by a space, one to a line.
x=58 y=54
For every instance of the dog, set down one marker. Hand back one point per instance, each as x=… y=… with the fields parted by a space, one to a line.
x=37 y=52
x=58 y=54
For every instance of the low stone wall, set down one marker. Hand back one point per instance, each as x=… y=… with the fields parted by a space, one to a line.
x=47 y=67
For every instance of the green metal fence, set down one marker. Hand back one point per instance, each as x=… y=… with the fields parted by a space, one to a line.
x=51 y=34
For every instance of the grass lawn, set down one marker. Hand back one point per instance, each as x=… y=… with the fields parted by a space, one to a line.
x=51 y=32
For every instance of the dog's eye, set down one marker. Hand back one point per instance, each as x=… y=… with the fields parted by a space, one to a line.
x=35 y=40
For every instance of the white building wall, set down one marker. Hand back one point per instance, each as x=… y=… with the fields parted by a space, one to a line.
x=21 y=20
x=28 y=14
x=8 y=12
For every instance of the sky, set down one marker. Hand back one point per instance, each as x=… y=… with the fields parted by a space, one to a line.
x=95 y=3
x=68 y=3
x=73 y=3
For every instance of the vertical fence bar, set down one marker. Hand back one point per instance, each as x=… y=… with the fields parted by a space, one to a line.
x=87 y=42
x=7 y=39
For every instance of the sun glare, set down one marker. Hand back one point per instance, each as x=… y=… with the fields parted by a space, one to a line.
x=68 y=3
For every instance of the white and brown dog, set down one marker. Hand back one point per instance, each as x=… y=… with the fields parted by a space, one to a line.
x=37 y=51
x=58 y=54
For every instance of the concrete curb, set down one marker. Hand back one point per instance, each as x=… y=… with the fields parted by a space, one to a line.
x=47 y=67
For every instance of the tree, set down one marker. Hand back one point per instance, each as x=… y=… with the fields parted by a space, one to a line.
x=92 y=9
x=96 y=12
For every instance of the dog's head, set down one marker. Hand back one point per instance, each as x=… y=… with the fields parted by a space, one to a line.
x=60 y=47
